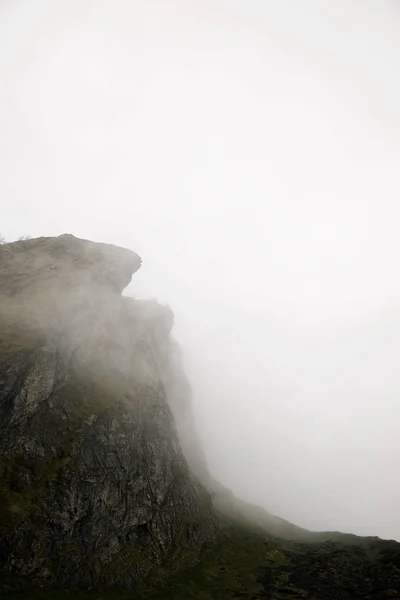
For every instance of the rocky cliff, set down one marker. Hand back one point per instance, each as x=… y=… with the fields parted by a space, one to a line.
x=102 y=480
x=94 y=485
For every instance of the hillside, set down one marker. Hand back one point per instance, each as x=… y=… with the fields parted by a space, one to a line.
x=103 y=486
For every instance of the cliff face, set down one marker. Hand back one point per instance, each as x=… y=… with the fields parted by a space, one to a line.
x=94 y=486
x=96 y=435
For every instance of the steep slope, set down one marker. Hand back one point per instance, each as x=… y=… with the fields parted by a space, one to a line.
x=103 y=483
x=94 y=486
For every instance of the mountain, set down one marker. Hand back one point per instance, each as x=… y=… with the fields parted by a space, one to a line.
x=104 y=490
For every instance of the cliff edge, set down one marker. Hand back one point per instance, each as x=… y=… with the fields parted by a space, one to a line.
x=102 y=480
x=94 y=486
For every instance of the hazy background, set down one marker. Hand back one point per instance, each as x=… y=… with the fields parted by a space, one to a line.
x=249 y=151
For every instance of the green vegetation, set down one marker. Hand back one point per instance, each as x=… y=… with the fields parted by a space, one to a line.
x=244 y=563
x=18 y=500
x=234 y=565
x=239 y=563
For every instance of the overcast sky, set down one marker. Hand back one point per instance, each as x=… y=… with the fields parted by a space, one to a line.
x=249 y=150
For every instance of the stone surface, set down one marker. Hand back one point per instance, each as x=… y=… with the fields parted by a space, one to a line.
x=94 y=485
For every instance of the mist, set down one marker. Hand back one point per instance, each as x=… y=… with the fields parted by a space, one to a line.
x=249 y=153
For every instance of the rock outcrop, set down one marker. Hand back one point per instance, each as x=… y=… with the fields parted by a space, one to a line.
x=94 y=486
x=103 y=483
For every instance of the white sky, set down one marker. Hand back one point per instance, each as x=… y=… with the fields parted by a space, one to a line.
x=249 y=151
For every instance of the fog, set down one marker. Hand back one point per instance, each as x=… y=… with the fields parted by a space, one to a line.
x=249 y=151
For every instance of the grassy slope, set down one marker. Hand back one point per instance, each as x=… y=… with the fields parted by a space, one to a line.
x=244 y=563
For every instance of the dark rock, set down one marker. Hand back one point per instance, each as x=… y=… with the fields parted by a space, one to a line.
x=94 y=488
